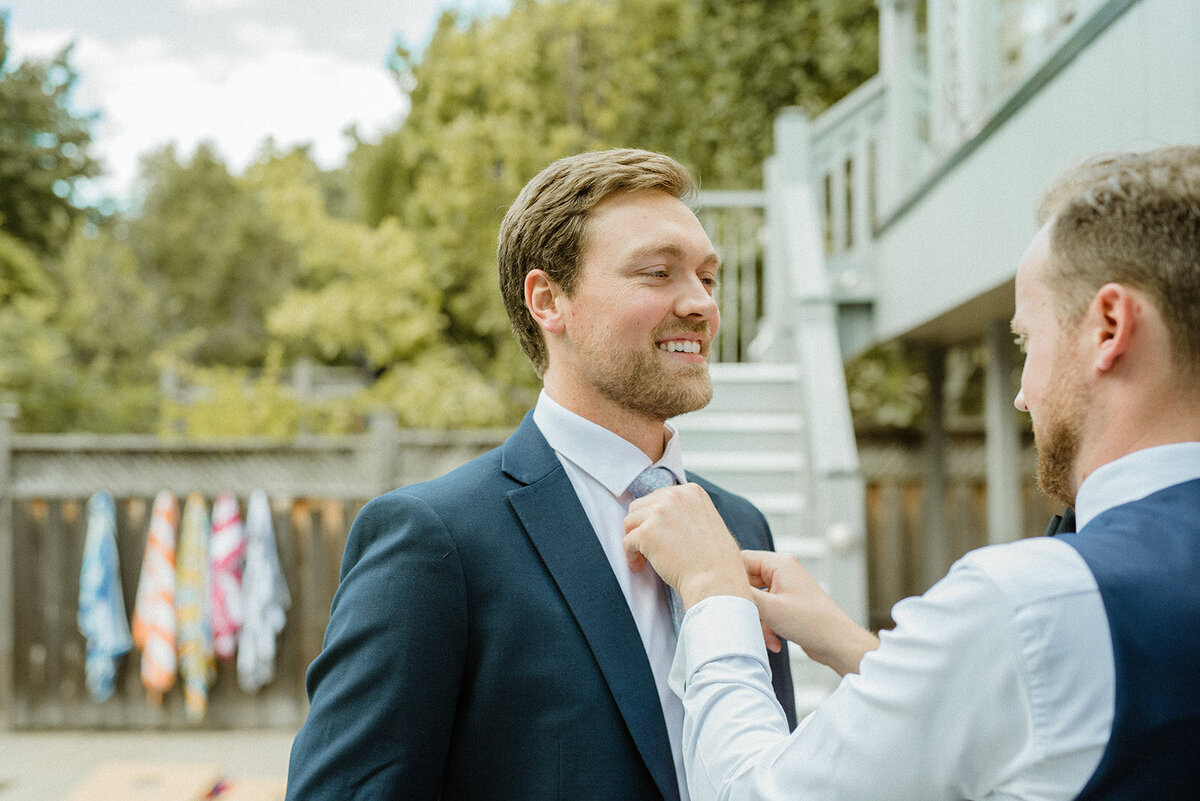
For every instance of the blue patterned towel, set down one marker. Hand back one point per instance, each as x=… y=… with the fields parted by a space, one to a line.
x=101 y=615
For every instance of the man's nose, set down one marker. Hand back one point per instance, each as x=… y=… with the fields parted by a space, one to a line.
x=1019 y=401
x=697 y=301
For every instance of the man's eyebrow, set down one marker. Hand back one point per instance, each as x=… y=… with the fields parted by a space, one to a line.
x=672 y=250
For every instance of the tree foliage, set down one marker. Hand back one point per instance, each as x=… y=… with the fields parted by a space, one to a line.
x=215 y=260
x=387 y=265
x=31 y=368
x=44 y=149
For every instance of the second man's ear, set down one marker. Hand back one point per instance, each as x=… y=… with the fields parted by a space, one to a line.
x=543 y=298
x=1115 y=319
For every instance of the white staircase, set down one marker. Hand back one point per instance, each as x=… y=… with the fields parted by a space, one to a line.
x=751 y=439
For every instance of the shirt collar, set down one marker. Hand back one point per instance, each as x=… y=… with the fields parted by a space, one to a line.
x=1134 y=476
x=611 y=460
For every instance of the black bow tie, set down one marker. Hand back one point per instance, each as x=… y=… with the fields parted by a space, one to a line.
x=1062 y=524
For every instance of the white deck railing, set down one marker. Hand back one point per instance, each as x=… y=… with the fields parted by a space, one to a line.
x=734 y=223
x=844 y=171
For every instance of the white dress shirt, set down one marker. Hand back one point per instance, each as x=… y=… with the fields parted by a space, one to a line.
x=998 y=683
x=601 y=466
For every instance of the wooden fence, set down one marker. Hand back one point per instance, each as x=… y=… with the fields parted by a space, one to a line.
x=316 y=487
x=912 y=539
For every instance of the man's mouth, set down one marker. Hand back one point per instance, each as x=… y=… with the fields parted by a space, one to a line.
x=679 y=346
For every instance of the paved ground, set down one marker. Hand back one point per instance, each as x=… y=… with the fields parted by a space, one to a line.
x=46 y=766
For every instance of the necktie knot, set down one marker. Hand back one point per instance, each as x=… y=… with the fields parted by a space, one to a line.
x=651 y=479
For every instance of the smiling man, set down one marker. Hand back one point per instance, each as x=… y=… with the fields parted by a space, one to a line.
x=488 y=639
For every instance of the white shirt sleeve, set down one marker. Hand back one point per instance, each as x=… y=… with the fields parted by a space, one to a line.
x=942 y=710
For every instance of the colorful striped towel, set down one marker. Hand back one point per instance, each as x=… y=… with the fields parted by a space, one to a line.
x=154 y=610
x=227 y=554
x=265 y=598
x=101 y=615
x=196 y=663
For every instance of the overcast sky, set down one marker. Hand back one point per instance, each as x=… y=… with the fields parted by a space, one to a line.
x=229 y=71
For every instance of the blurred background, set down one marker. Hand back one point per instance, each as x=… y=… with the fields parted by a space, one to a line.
x=248 y=245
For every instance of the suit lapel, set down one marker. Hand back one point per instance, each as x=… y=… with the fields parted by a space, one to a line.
x=560 y=531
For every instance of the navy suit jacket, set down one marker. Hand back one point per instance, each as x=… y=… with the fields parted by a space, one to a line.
x=480 y=647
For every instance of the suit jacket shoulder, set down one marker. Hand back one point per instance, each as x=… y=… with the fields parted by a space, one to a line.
x=747 y=524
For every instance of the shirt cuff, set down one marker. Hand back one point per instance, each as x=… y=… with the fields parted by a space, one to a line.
x=715 y=628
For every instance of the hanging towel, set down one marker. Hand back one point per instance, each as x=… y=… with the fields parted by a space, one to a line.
x=265 y=598
x=101 y=615
x=154 y=610
x=228 y=552
x=196 y=664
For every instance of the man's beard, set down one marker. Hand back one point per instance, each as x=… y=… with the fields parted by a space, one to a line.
x=638 y=381
x=1058 y=442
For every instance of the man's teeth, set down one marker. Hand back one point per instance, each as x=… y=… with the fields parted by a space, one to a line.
x=680 y=346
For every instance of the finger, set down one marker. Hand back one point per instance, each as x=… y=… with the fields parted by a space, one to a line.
x=769 y=609
x=773 y=643
x=633 y=555
x=759 y=568
x=635 y=517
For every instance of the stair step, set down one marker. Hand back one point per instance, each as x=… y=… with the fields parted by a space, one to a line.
x=755 y=386
x=740 y=431
x=769 y=372
x=741 y=421
x=742 y=462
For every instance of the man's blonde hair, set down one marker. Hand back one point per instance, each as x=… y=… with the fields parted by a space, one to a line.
x=545 y=226
x=1133 y=219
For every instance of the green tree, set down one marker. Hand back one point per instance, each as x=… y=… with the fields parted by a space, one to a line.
x=108 y=317
x=34 y=366
x=361 y=297
x=364 y=296
x=212 y=256
x=44 y=150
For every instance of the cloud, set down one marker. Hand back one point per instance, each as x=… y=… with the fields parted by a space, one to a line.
x=270 y=85
x=233 y=72
x=215 y=6
x=37 y=45
x=255 y=35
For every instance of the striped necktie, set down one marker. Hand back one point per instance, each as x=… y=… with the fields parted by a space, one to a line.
x=647 y=481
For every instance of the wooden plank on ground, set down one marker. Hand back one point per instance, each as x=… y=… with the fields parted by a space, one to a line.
x=148 y=781
x=252 y=790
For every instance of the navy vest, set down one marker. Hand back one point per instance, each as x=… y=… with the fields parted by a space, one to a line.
x=1145 y=556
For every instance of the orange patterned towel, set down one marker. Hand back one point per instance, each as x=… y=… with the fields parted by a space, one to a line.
x=154 y=609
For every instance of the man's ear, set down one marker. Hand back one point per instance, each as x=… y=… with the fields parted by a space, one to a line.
x=1114 y=313
x=543 y=298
